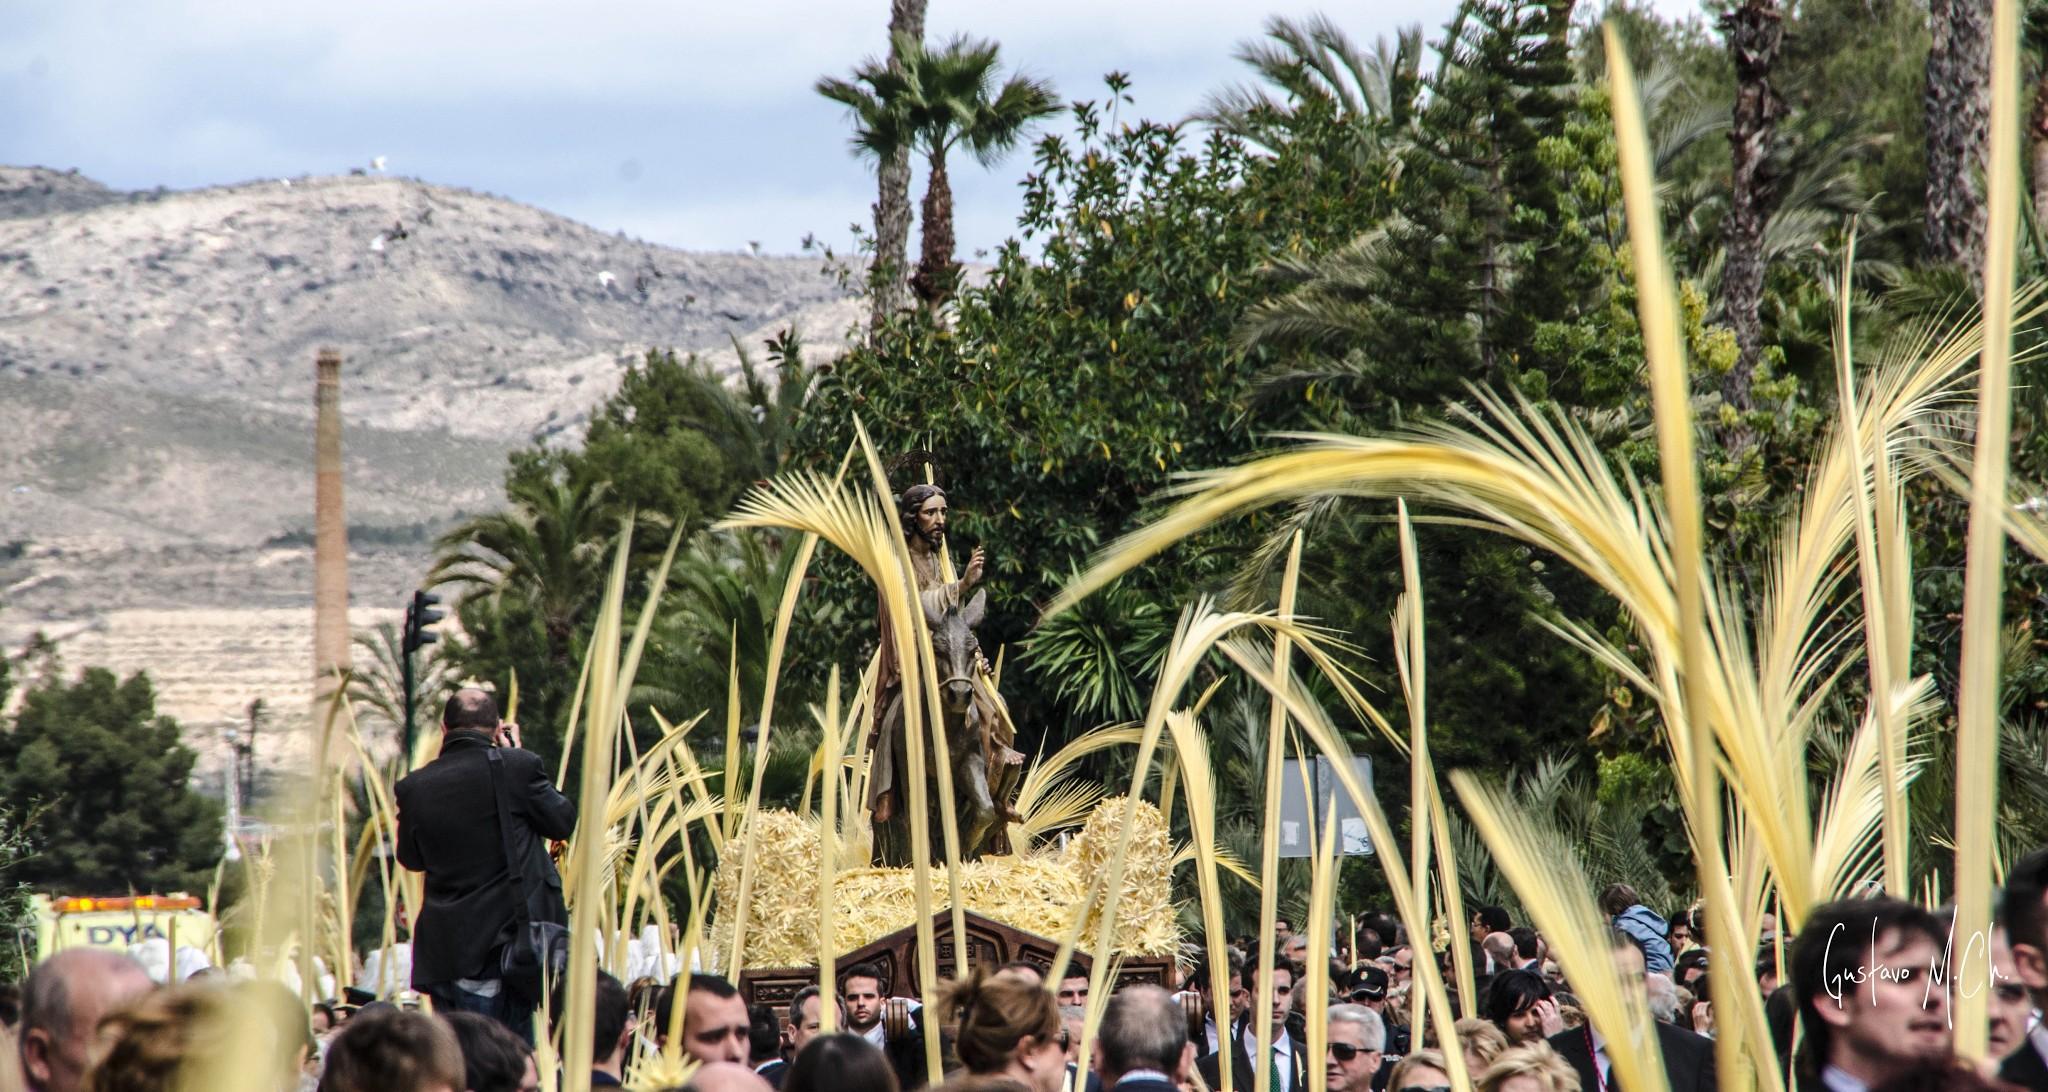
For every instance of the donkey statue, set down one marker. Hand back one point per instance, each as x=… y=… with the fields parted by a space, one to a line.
x=985 y=769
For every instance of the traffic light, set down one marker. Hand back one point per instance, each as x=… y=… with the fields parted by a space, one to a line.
x=419 y=615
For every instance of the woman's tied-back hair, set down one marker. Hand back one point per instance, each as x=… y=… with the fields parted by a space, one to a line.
x=204 y=1035
x=993 y=1015
x=156 y=1036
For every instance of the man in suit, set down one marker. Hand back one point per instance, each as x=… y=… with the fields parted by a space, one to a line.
x=1688 y=1058
x=2023 y=912
x=1142 y=1044
x=764 y=1045
x=1869 y=1007
x=894 y=1024
x=1285 y=1061
x=448 y=828
x=1356 y=1047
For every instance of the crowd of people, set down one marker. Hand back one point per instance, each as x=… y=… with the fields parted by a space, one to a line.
x=1866 y=984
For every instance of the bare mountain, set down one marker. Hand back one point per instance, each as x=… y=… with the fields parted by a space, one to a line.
x=156 y=374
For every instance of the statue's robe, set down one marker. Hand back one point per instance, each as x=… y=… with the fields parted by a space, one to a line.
x=990 y=715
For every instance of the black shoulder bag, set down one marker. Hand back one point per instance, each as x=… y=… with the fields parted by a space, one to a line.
x=538 y=951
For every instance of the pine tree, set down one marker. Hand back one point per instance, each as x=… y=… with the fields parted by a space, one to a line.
x=111 y=782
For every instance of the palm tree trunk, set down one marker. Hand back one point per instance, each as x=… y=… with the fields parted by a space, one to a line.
x=892 y=198
x=1958 y=104
x=1756 y=32
x=935 y=269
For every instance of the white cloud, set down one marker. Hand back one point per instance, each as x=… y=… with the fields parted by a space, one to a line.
x=545 y=101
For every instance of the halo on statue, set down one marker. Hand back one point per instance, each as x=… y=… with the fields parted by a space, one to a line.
x=915 y=467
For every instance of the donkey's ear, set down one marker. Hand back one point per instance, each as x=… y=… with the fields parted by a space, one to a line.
x=976 y=607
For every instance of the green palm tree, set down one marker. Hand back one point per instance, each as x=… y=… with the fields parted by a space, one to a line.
x=1314 y=63
x=547 y=549
x=376 y=684
x=932 y=101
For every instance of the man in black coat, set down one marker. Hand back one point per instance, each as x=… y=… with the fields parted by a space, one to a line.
x=448 y=828
x=1287 y=1059
x=1688 y=1058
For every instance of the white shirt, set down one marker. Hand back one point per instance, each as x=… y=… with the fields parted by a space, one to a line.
x=1283 y=1056
x=1136 y=1075
x=1601 y=1064
x=1836 y=1080
x=2037 y=1036
x=1214 y=1039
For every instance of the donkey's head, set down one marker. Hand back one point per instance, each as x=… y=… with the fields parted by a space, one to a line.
x=953 y=650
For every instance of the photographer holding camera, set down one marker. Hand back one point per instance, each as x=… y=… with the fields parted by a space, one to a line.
x=476 y=820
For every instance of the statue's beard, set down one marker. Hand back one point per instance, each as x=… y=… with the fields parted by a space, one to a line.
x=934 y=538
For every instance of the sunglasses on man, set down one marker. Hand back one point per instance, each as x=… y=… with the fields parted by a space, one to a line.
x=1344 y=1052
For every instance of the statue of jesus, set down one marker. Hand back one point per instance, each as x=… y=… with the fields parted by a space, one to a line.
x=923 y=510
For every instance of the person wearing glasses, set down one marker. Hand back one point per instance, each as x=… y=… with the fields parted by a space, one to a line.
x=1356 y=1044
x=2010 y=1008
x=1286 y=1061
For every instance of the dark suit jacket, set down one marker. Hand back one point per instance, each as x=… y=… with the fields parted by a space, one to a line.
x=1211 y=1066
x=2023 y=1067
x=774 y=1072
x=1688 y=1058
x=448 y=828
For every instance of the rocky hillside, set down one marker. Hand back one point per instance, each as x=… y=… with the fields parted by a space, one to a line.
x=156 y=375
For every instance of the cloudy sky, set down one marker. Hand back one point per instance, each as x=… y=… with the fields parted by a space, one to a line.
x=692 y=124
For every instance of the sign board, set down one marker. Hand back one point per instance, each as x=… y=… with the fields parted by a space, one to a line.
x=1306 y=791
x=117 y=923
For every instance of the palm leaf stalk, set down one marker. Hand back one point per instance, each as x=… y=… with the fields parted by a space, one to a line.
x=1322 y=906
x=828 y=854
x=1545 y=872
x=1191 y=751
x=1671 y=396
x=1316 y=724
x=1977 y=697
x=1269 y=849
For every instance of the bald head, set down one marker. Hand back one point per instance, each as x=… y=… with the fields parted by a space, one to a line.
x=470 y=709
x=67 y=996
x=727 y=1077
x=1142 y=1028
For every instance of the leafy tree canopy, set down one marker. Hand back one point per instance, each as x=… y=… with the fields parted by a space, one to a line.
x=112 y=780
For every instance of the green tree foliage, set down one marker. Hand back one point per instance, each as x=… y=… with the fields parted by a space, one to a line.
x=673 y=447
x=111 y=780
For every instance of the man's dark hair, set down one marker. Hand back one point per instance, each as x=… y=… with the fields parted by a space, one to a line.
x=1142 y=1028
x=1386 y=925
x=665 y=999
x=611 y=1006
x=865 y=970
x=1369 y=946
x=1283 y=920
x=470 y=709
x=913 y=499
x=1199 y=980
x=1526 y=942
x=764 y=1035
x=713 y=985
x=796 y=1005
x=1816 y=963
x=1495 y=919
x=1617 y=898
x=493 y=1059
x=392 y=1050
x=844 y=1063
x=1510 y=992
x=10 y=1004
x=2019 y=908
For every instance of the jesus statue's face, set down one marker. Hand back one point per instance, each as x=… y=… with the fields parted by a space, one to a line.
x=931 y=521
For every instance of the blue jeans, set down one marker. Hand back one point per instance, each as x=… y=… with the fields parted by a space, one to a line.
x=504 y=1007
